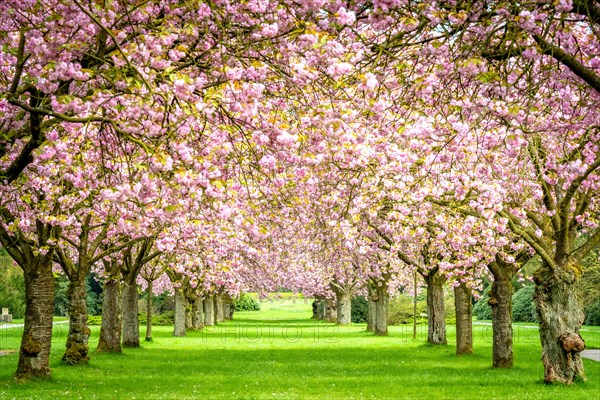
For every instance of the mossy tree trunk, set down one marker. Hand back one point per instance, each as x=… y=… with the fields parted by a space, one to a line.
x=560 y=317
x=77 y=347
x=34 y=353
x=501 y=303
x=209 y=310
x=131 y=320
x=110 y=330
x=179 y=328
x=464 y=319
x=436 y=308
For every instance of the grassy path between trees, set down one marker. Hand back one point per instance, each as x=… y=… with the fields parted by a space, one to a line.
x=279 y=353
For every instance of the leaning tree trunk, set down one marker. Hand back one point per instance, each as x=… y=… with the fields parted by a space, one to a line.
x=560 y=316
x=381 y=310
x=464 y=319
x=219 y=309
x=149 y=311
x=209 y=311
x=79 y=333
x=343 y=307
x=436 y=310
x=131 y=319
x=501 y=303
x=180 y=314
x=110 y=330
x=34 y=355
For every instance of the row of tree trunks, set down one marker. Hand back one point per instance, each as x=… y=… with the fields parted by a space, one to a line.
x=209 y=310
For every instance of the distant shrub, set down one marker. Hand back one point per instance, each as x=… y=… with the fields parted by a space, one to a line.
x=592 y=314
x=482 y=310
x=163 y=319
x=12 y=286
x=360 y=309
x=246 y=303
x=400 y=310
x=523 y=307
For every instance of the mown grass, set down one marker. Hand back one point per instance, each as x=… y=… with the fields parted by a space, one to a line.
x=279 y=353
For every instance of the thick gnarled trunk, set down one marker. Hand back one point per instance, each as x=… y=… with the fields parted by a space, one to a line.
x=131 y=320
x=436 y=309
x=180 y=313
x=560 y=317
x=343 y=307
x=378 y=308
x=77 y=347
x=34 y=354
x=110 y=330
x=464 y=320
x=209 y=311
x=501 y=303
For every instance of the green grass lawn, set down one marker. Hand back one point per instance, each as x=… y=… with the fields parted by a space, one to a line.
x=279 y=353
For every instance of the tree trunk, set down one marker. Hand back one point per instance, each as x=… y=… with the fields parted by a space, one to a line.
x=180 y=314
x=34 y=355
x=381 y=311
x=501 y=302
x=149 y=311
x=131 y=319
x=560 y=315
x=209 y=311
x=197 y=317
x=436 y=309
x=464 y=319
x=372 y=307
x=343 y=307
x=321 y=309
x=330 y=311
x=219 y=309
x=110 y=330
x=79 y=333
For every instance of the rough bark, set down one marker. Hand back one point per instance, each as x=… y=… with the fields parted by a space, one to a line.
x=131 y=319
x=209 y=311
x=343 y=307
x=180 y=314
x=560 y=315
x=381 y=310
x=34 y=354
x=330 y=311
x=371 y=314
x=436 y=309
x=77 y=341
x=321 y=309
x=197 y=314
x=501 y=302
x=464 y=320
x=110 y=330
x=149 y=311
x=219 y=309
